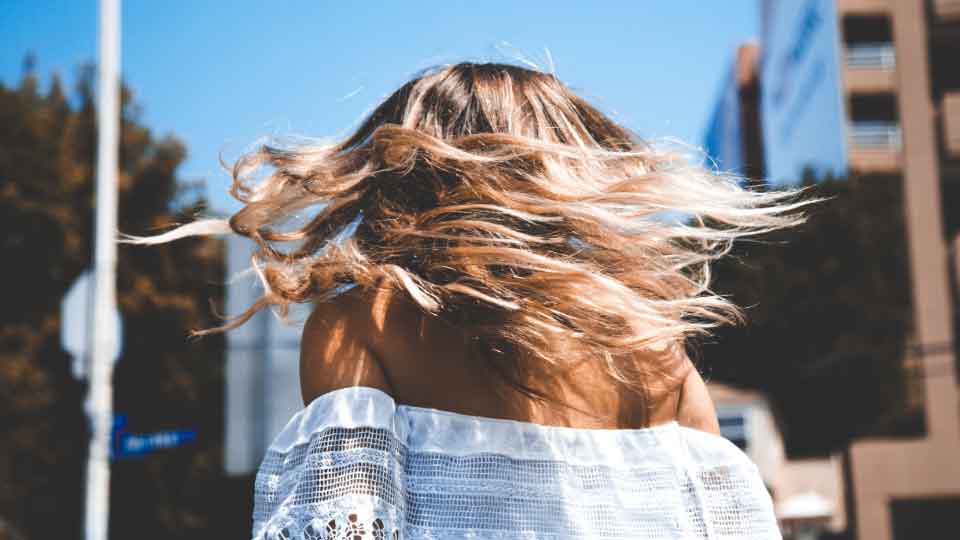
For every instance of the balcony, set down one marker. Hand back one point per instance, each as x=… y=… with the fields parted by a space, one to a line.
x=875 y=135
x=871 y=56
x=863 y=7
x=874 y=147
x=869 y=68
x=947 y=9
x=950 y=123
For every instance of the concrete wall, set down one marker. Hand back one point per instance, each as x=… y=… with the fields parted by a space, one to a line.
x=263 y=386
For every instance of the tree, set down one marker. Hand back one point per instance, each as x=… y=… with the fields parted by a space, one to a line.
x=163 y=380
x=829 y=319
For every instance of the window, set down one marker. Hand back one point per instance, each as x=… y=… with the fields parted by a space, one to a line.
x=733 y=428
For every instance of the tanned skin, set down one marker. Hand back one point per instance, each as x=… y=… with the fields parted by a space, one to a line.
x=385 y=342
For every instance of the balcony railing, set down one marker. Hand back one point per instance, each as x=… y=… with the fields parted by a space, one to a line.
x=874 y=135
x=871 y=56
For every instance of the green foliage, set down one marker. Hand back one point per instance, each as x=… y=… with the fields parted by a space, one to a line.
x=47 y=167
x=829 y=316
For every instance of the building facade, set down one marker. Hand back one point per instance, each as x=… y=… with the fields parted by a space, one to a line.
x=262 y=367
x=862 y=89
x=807 y=493
x=911 y=488
x=734 y=139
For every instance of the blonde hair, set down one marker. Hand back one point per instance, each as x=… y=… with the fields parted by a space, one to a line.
x=494 y=196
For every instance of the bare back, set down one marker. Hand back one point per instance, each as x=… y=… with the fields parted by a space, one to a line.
x=390 y=344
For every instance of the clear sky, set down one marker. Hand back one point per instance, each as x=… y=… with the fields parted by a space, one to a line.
x=219 y=75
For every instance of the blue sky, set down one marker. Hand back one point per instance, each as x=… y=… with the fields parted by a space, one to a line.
x=219 y=75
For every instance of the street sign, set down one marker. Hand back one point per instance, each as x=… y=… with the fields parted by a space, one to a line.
x=127 y=445
x=75 y=317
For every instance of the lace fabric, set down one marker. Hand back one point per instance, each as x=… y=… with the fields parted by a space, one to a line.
x=355 y=465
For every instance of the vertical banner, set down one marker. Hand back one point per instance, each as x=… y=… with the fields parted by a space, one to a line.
x=804 y=124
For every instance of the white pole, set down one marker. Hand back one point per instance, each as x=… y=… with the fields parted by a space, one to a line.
x=103 y=329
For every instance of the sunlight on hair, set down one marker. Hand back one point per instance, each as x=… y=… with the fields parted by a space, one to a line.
x=493 y=196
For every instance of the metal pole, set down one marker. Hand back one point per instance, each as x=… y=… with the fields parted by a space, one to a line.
x=103 y=330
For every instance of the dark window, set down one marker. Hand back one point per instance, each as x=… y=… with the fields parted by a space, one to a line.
x=733 y=428
x=731 y=421
x=929 y=519
x=874 y=108
x=867 y=29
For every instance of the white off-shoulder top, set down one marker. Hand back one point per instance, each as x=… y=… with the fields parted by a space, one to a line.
x=356 y=465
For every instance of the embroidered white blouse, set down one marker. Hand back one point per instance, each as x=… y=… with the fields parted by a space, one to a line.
x=355 y=465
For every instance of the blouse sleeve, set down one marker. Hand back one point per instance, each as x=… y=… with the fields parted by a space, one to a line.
x=334 y=472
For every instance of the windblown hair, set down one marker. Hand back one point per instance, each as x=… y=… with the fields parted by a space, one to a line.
x=494 y=196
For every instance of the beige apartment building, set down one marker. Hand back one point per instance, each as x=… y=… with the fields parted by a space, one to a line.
x=901 y=84
x=881 y=80
x=807 y=493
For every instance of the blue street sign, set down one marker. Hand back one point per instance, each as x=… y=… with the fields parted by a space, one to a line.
x=125 y=445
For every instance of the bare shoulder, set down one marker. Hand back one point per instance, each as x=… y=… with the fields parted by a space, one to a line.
x=696 y=408
x=335 y=349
